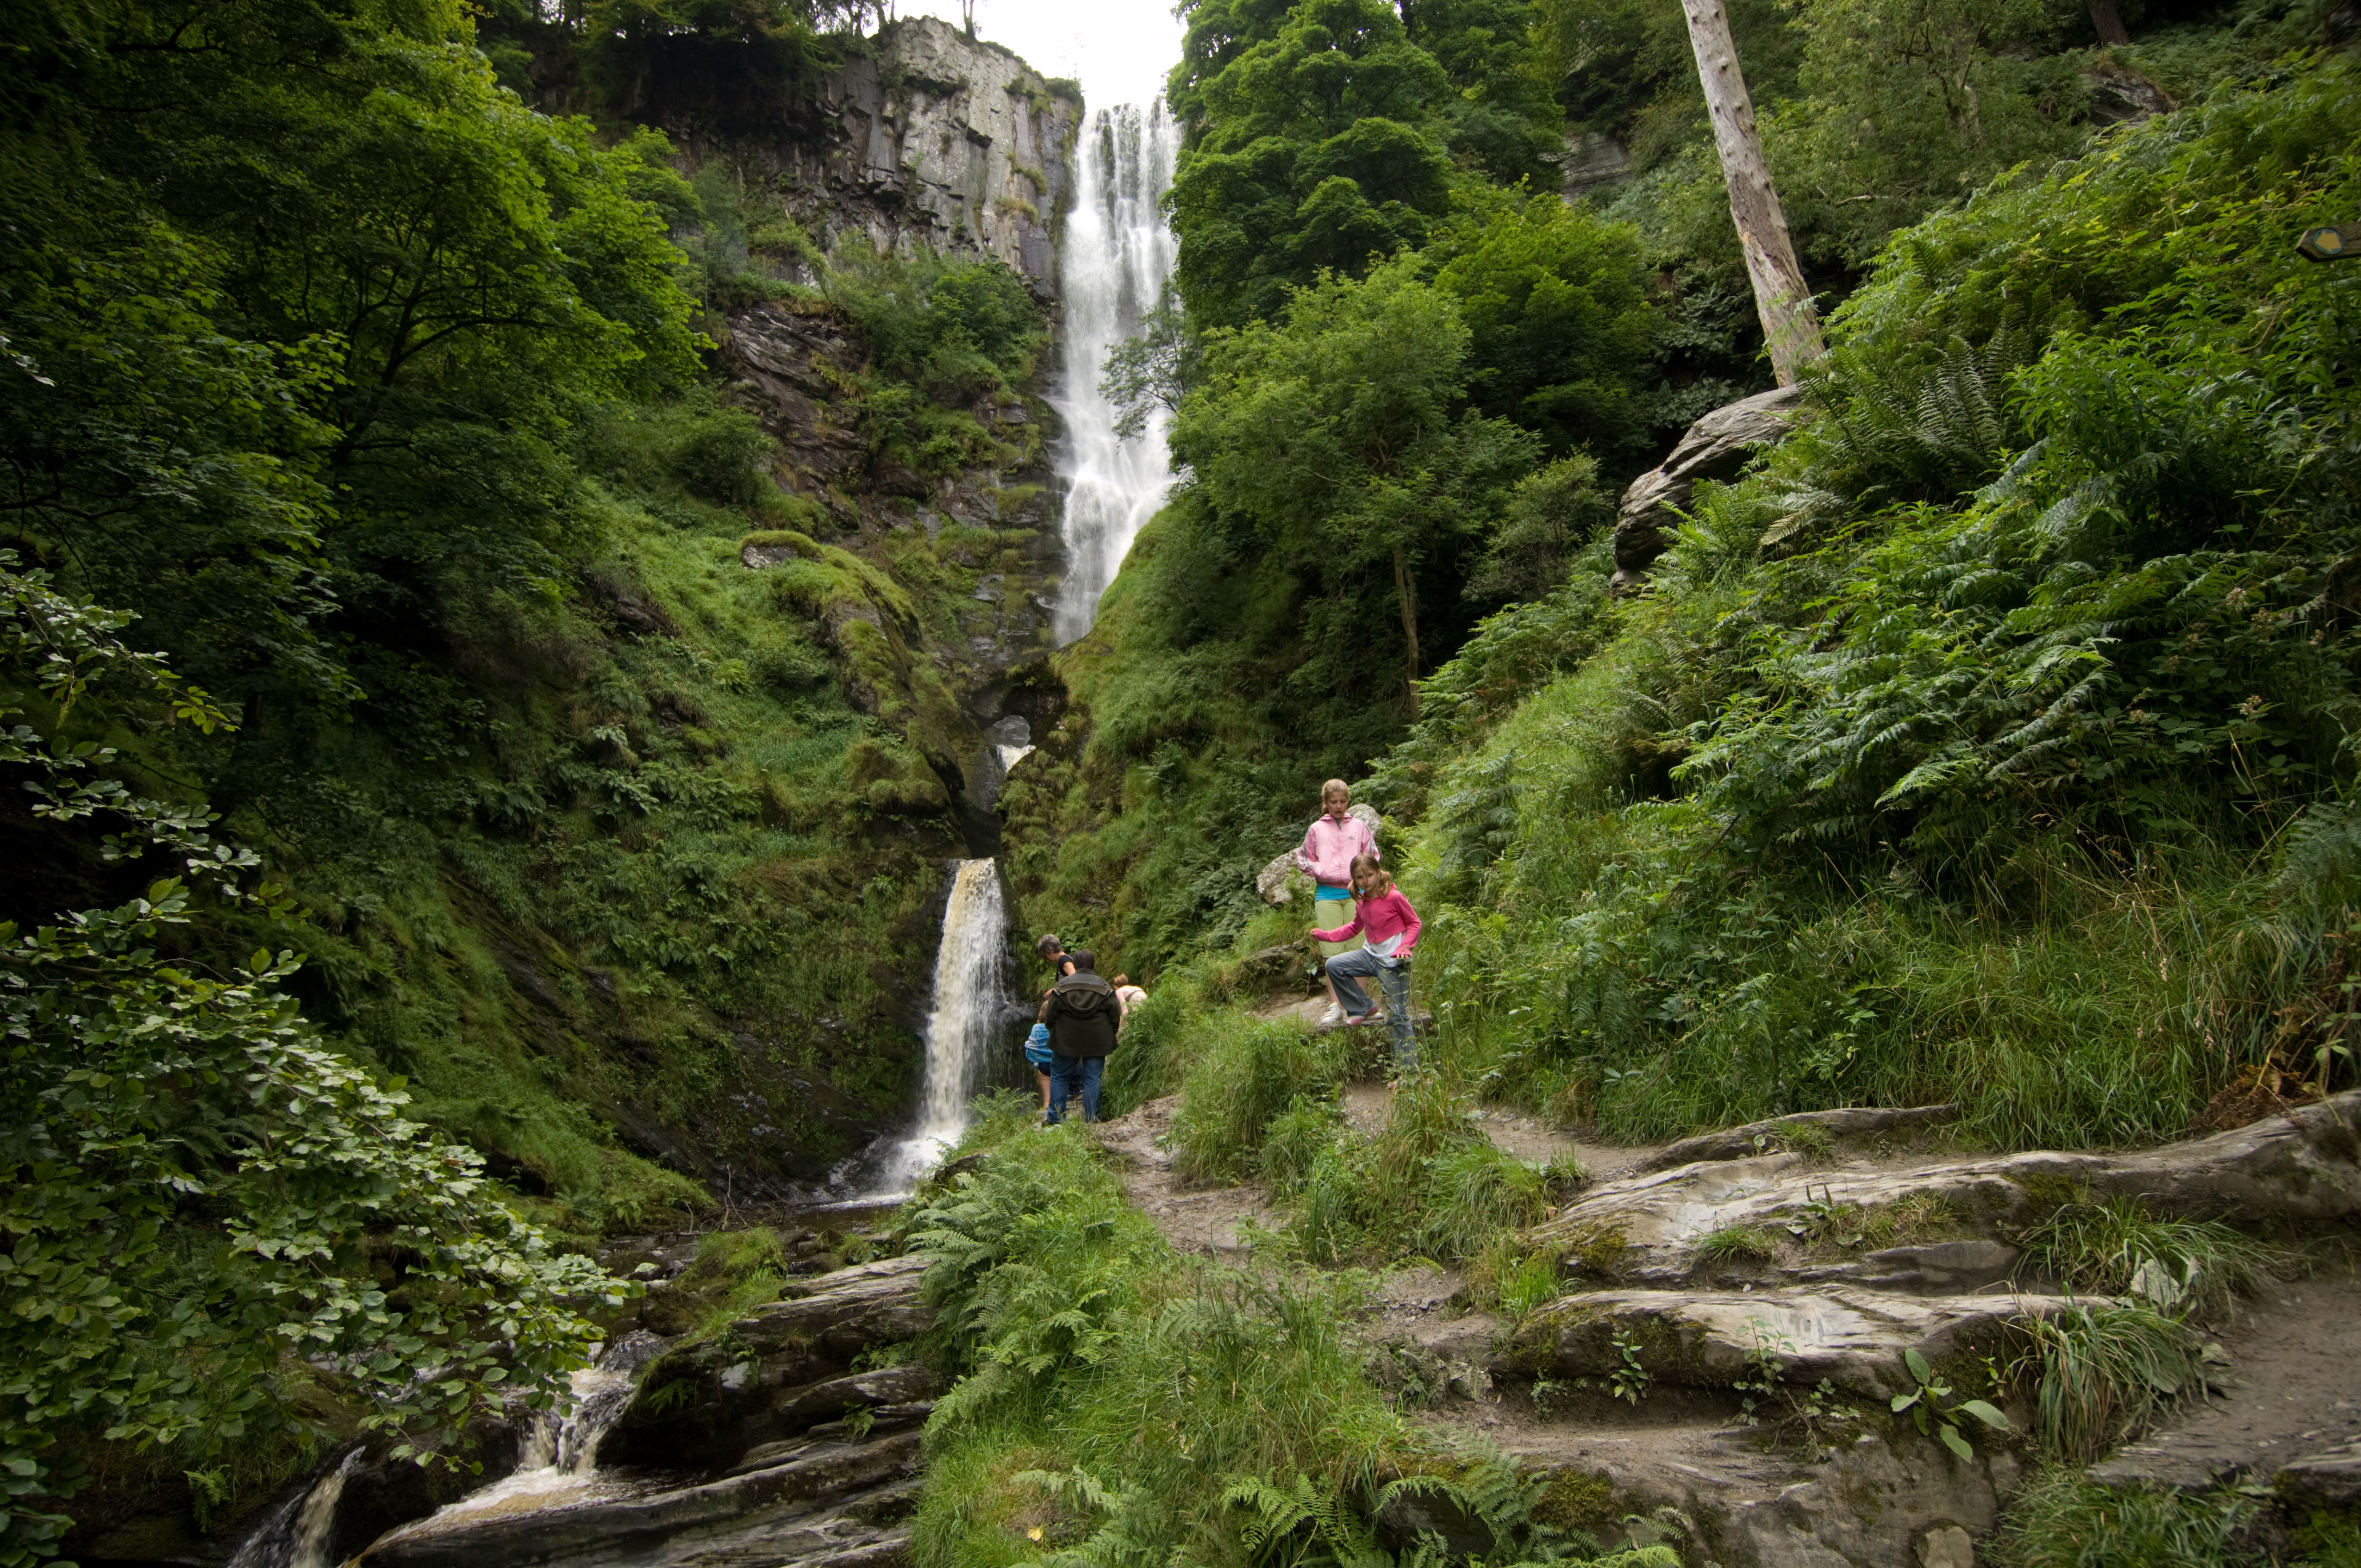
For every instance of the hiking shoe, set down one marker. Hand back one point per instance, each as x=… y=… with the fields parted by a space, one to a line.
x=1334 y=1016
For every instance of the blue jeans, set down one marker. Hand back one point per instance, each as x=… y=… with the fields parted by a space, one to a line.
x=1076 y=1075
x=1348 y=970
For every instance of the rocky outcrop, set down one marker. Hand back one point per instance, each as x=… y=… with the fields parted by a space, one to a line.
x=761 y=1446
x=1802 y=1131
x=1592 y=161
x=947 y=143
x=1715 y=447
x=1854 y=1340
x=2298 y=1167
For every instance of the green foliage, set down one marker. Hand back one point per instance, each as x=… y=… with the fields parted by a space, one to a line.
x=1936 y=1413
x=2102 y=1369
x=2118 y=1248
x=1428 y=1185
x=198 y=1190
x=1250 y=1074
x=1954 y=753
x=2062 y=1520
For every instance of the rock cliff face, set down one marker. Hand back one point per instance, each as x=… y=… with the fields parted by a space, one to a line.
x=930 y=141
x=948 y=143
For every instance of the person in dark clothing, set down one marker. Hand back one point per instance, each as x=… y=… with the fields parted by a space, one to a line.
x=1082 y=1016
x=1061 y=964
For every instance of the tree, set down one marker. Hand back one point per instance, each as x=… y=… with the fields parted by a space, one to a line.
x=1338 y=437
x=1791 y=324
x=198 y=1199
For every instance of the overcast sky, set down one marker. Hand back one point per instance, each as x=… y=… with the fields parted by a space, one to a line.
x=1119 y=49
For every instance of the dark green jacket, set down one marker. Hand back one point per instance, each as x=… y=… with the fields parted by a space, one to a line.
x=1082 y=1014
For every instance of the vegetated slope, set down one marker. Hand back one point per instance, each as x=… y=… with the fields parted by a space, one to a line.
x=1989 y=743
x=606 y=779
x=1410 y=380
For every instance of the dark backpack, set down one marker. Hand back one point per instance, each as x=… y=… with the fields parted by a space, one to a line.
x=1084 y=1013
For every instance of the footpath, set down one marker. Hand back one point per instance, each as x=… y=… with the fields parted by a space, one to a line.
x=1735 y=1310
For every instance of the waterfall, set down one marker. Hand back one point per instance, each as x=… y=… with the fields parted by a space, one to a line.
x=558 y=1456
x=297 y=1535
x=1118 y=253
x=966 y=1025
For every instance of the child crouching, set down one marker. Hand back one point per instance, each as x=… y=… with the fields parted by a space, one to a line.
x=1388 y=928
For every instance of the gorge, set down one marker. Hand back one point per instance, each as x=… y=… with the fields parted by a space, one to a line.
x=580 y=581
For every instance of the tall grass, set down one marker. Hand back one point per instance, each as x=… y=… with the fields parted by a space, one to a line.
x=2103 y=1370
x=1246 y=1073
x=2119 y=1248
x=2060 y=1520
x=1113 y=1386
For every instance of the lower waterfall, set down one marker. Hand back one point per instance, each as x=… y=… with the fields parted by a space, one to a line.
x=965 y=1024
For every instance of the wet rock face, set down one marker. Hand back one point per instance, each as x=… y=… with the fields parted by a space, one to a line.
x=937 y=141
x=763 y=1446
x=781 y=1370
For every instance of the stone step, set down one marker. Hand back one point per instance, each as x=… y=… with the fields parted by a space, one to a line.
x=1852 y=1338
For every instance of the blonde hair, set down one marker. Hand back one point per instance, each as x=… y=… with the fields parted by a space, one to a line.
x=1334 y=786
x=1371 y=865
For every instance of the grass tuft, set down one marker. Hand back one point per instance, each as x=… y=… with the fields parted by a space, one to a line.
x=2103 y=1370
x=2118 y=1248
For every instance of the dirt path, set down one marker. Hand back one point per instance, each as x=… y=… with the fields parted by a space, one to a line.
x=1195 y=1219
x=2293 y=1388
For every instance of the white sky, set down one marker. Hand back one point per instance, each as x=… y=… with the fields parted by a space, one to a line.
x=1120 y=50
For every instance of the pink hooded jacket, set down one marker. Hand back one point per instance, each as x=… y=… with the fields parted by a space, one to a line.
x=1329 y=848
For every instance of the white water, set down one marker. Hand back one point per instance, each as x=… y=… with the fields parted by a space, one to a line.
x=558 y=1457
x=298 y=1535
x=1118 y=254
x=965 y=1024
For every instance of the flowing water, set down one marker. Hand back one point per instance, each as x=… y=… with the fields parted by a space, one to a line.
x=297 y=1535
x=1118 y=254
x=970 y=1013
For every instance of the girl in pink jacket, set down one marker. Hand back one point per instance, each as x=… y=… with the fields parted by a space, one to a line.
x=1388 y=928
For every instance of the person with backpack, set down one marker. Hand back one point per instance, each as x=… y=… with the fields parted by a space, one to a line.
x=1036 y=1045
x=1082 y=1016
x=1388 y=929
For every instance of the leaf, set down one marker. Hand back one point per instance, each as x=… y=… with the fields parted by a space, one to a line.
x=1903 y=1402
x=1956 y=1443
x=1918 y=1368
x=1983 y=1412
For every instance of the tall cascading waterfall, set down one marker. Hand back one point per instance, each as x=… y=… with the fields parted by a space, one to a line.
x=1118 y=254
x=968 y=1017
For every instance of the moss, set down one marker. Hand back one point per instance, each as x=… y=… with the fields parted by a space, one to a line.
x=1579 y=1499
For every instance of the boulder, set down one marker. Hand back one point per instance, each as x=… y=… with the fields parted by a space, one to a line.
x=845 y=1311
x=2297 y=1167
x=750 y=1517
x=1754 y=1138
x=1854 y=1339
x=1715 y=447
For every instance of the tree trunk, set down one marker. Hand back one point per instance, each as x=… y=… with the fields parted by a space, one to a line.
x=1790 y=325
x=2109 y=21
x=1406 y=591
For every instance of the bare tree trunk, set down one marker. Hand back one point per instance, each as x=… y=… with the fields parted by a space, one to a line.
x=1790 y=325
x=1406 y=591
x=2109 y=21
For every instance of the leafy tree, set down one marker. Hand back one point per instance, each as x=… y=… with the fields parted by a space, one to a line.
x=203 y=1204
x=1308 y=149
x=1337 y=437
x=1560 y=322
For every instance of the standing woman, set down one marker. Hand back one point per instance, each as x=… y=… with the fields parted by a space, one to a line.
x=1389 y=927
x=1334 y=840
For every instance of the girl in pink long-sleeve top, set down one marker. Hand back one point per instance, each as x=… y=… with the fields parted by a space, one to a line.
x=1388 y=929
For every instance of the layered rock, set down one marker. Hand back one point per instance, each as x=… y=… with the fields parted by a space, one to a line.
x=1715 y=447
